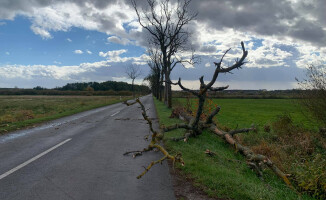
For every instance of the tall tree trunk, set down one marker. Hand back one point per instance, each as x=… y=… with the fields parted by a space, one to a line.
x=169 y=96
x=165 y=90
x=132 y=88
x=161 y=88
x=168 y=89
x=157 y=87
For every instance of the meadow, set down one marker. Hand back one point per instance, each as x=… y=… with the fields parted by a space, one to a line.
x=17 y=112
x=285 y=133
x=243 y=113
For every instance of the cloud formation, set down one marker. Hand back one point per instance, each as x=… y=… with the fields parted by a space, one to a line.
x=115 y=39
x=78 y=51
x=115 y=57
x=49 y=71
x=277 y=33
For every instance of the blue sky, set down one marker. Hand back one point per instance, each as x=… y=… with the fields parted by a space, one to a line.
x=49 y=43
x=27 y=48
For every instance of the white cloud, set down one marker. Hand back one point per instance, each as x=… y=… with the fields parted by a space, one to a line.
x=208 y=64
x=78 y=51
x=42 y=32
x=276 y=33
x=7 y=53
x=128 y=80
x=89 y=52
x=310 y=55
x=60 y=15
x=115 y=39
x=268 y=55
x=69 y=40
x=49 y=71
x=115 y=56
x=57 y=62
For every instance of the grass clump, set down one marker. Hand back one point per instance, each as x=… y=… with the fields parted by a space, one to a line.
x=225 y=175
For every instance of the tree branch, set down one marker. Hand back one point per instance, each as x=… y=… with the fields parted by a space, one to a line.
x=212 y=115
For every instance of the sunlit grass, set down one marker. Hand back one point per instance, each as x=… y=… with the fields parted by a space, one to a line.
x=225 y=175
x=20 y=111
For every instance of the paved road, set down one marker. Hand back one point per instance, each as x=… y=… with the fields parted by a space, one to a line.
x=80 y=157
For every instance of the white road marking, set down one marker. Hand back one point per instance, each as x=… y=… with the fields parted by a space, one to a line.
x=32 y=159
x=115 y=113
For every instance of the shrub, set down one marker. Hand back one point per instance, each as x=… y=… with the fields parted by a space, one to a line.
x=267 y=128
x=313 y=95
x=311 y=176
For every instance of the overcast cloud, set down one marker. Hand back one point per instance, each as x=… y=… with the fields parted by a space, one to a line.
x=282 y=36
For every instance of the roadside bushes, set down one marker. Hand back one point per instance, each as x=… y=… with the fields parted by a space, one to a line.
x=310 y=176
x=299 y=152
x=313 y=94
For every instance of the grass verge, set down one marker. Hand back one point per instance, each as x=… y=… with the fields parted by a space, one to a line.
x=18 y=112
x=225 y=175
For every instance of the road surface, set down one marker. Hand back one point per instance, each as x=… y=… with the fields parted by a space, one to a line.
x=80 y=157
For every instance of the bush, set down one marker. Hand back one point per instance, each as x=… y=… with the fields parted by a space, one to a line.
x=311 y=176
x=313 y=95
x=267 y=128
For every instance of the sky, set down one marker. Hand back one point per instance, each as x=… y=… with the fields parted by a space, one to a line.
x=49 y=43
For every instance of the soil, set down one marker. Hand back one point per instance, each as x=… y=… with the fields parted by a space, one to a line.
x=184 y=188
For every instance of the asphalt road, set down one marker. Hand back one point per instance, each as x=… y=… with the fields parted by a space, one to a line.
x=80 y=157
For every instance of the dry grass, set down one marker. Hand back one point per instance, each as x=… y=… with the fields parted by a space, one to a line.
x=20 y=111
x=286 y=134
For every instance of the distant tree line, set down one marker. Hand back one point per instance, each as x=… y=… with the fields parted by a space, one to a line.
x=104 y=86
x=90 y=88
x=247 y=94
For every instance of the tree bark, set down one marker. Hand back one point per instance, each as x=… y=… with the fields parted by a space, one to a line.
x=132 y=88
x=161 y=87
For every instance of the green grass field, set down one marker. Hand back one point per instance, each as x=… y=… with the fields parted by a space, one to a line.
x=226 y=175
x=245 y=112
x=17 y=112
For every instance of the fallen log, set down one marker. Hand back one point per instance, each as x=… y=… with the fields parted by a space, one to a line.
x=254 y=161
x=195 y=125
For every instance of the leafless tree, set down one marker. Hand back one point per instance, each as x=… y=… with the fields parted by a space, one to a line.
x=194 y=126
x=314 y=92
x=156 y=75
x=133 y=72
x=166 y=24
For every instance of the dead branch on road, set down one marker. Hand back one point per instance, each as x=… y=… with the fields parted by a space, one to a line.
x=156 y=139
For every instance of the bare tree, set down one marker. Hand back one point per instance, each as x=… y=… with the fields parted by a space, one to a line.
x=194 y=126
x=166 y=24
x=156 y=74
x=314 y=92
x=133 y=71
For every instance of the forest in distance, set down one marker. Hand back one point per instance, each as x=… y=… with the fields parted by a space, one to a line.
x=82 y=88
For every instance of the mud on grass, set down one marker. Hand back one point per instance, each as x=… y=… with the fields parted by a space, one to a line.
x=17 y=112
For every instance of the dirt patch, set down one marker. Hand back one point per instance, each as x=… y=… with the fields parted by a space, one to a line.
x=184 y=187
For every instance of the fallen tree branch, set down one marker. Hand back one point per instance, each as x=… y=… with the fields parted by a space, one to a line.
x=156 y=138
x=250 y=155
x=175 y=126
x=212 y=115
x=245 y=130
x=195 y=126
